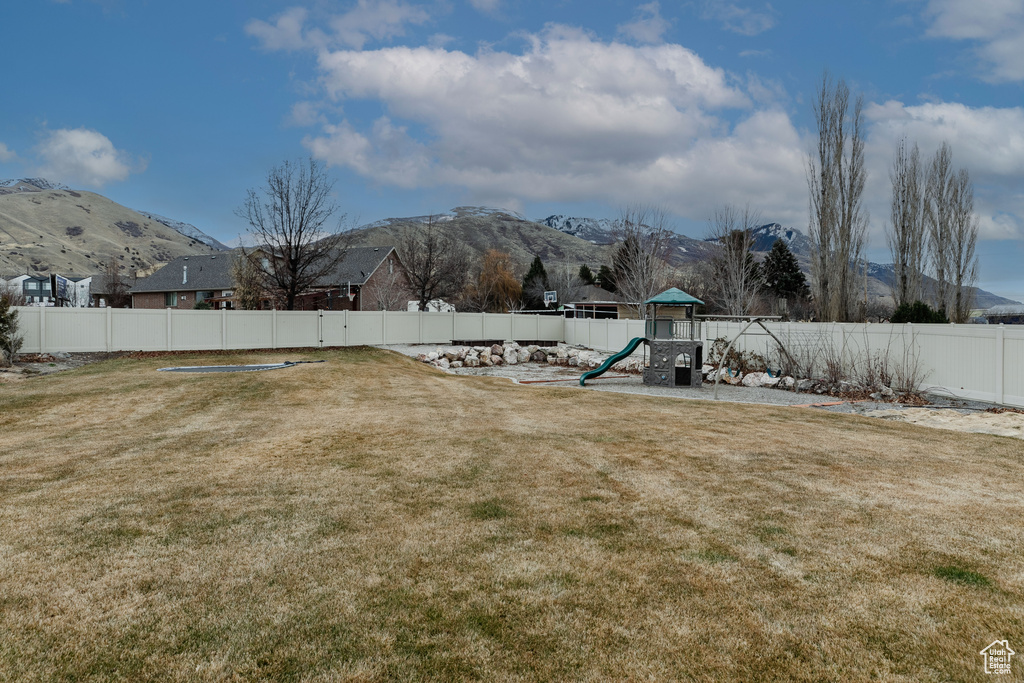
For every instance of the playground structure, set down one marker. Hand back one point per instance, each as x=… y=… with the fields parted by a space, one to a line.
x=667 y=340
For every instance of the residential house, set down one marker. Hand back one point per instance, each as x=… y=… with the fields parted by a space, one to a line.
x=1007 y=314
x=367 y=278
x=186 y=281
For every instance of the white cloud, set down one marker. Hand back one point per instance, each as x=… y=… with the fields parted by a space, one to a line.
x=488 y=6
x=571 y=118
x=996 y=26
x=366 y=20
x=742 y=20
x=648 y=26
x=378 y=19
x=7 y=154
x=284 y=34
x=987 y=141
x=83 y=156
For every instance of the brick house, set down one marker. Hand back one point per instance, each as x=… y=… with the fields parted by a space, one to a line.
x=368 y=278
x=185 y=281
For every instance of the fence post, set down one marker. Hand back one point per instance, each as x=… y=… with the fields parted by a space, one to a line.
x=273 y=328
x=110 y=329
x=419 y=322
x=168 y=328
x=1000 y=351
x=344 y=324
x=223 y=328
x=320 y=328
x=42 y=329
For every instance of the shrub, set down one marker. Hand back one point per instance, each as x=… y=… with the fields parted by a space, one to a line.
x=918 y=312
x=10 y=340
x=202 y=306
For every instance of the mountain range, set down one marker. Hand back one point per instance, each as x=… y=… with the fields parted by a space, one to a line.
x=48 y=227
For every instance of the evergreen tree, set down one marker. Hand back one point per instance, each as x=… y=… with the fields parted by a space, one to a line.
x=535 y=283
x=781 y=275
x=587 y=275
x=606 y=279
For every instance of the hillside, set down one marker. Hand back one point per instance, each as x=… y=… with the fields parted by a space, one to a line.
x=481 y=229
x=46 y=227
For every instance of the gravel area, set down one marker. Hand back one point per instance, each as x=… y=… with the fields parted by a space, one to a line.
x=552 y=375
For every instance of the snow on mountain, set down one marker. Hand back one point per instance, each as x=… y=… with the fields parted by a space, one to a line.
x=31 y=184
x=186 y=229
x=594 y=230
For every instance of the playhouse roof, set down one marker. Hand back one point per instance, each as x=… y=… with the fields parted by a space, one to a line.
x=674 y=297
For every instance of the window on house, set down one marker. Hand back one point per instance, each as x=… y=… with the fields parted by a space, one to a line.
x=32 y=284
x=171 y=299
x=203 y=296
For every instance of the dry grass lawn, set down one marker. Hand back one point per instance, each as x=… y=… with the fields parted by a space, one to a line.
x=371 y=518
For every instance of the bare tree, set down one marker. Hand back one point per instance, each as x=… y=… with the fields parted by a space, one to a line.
x=735 y=271
x=939 y=199
x=496 y=288
x=906 y=237
x=963 y=264
x=835 y=178
x=437 y=265
x=247 y=280
x=566 y=281
x=391 y=291
x=292 y=219
x=117 y=286
x=639 y=262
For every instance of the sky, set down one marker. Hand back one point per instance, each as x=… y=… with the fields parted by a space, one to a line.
x=575 y=107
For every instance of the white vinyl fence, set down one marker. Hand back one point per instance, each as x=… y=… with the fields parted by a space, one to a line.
x=47 y=330
x=983 y=362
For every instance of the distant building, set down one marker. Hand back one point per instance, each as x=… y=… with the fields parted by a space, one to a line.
x=1006 y=314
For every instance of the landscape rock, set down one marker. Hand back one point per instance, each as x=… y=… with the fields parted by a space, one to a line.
x=497 y=350
x=523 y=355
x=754 y=379
x=456 y=364
x=472 y=362
x=538 y=356
x=443 y=363
x=805 y=385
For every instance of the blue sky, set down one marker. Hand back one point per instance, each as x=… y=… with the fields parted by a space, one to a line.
x=564 y=106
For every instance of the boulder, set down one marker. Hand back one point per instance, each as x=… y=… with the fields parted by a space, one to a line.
x=522 y=355
x=422 y=358
x=456 y=364
x=472 y=361
x=443 y=363
x=573 y=353
x=574 y=361
x=497 y=350
x=485 y=360
x=552 y=360
x=786 y=383
x=562 y=352
x=805 y=384
x=496 y=360
x=538 y=356
x=432 y=356
x=753 y=379
x=451 y=354
x=532 y=348
x=510 y=357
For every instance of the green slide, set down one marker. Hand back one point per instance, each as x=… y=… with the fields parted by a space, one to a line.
x=605 y=366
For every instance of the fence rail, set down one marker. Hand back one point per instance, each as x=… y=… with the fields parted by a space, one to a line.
x=983 y=362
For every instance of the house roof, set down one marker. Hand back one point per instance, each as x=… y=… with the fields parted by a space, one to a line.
x=674 y=297
x=1005 y=309
x=357 y=266
x=205 y=272
x=592 y=294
